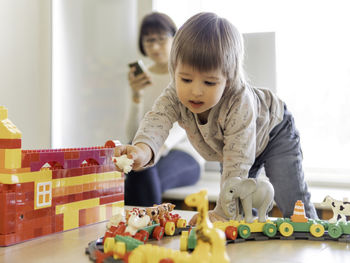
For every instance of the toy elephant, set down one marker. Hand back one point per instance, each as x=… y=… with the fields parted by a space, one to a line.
x=253 y=193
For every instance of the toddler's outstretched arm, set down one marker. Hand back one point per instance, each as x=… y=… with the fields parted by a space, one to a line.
x=140 y=153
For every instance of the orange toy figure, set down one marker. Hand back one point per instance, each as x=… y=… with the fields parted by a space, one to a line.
x=161 y=213
x=168 y=208
x=153 y=213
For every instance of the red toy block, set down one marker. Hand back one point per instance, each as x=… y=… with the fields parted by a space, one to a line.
x=2 y=158
x=10 y=143
x=111 y=198
x=8 y=213
x=57 y=223
x=35 y=157
x=75 y=155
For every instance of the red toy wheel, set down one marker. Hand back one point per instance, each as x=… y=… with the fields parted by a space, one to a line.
x=158 y=232
x=144 y=235
x=231 y=232
x=120 y=229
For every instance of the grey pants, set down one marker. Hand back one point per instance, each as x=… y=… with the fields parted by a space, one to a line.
x=282 y=159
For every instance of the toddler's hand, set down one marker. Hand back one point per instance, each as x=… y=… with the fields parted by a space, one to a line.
x=140 y=153
x=213 y=217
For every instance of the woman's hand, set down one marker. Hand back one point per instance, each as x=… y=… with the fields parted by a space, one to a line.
x=137 y=83
x=213 y=217
x=140 y=153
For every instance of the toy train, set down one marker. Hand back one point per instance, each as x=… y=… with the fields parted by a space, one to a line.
x=296 y=227
x=118 y=245
x=142 y=224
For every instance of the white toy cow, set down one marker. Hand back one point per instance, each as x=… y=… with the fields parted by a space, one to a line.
x=340 y=208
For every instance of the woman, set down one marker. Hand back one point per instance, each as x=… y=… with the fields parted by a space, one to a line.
x=145 y=187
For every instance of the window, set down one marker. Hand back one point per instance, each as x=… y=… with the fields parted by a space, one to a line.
x=43 y=194
x=313 y=69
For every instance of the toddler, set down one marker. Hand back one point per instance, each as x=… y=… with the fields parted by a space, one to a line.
x=227 y=120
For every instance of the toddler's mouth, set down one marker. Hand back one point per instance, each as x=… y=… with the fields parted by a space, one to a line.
x=196 y=104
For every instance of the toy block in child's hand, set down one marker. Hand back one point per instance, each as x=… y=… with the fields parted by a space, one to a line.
x=123 y=163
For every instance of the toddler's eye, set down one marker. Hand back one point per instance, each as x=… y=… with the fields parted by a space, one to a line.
x=209 y=83
x=186 y=80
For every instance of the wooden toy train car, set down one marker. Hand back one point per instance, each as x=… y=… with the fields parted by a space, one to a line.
x=47 y=191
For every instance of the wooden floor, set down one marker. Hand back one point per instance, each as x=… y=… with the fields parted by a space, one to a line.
x=70 y=246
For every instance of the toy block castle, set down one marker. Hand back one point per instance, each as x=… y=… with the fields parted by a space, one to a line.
x=48 y=191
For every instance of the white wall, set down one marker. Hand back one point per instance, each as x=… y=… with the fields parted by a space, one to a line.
x=93 y=42
x=92 y=46
x=25 y=68
x=260 y=59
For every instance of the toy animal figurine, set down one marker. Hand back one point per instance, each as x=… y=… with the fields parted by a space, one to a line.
x=153 y=213
x=116 y=218
x=253 y=193
x=128 y=213
x=209 y=238
x=136 y=221
x=340 y=209
x=161 y=212
x=124 y=163
x=168 y=207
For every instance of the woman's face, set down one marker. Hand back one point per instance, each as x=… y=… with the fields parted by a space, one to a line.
x=157 y=47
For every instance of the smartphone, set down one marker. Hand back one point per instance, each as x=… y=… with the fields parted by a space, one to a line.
x=140 y=67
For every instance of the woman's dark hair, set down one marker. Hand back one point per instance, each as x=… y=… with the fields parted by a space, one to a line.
x=155 y=23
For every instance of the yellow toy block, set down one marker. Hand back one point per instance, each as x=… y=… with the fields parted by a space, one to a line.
x=13 y=158
x=70 y=211
x=3 y=113
x=7 y=129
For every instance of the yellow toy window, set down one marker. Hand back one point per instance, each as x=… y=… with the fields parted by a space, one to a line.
x=44 y=194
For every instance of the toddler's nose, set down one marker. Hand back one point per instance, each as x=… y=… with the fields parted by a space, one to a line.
x=197 y=90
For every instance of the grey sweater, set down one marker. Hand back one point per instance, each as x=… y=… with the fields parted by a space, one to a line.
x=236 y=132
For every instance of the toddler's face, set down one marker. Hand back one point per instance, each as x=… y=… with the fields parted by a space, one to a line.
x=199 y=91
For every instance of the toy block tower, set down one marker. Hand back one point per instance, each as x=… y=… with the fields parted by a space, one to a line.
x=10 y=159
x=52 y=190
x=299 y=212
x=10 y=143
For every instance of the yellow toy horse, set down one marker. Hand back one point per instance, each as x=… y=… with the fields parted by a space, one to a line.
x=206 y=233
x=210 y=241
